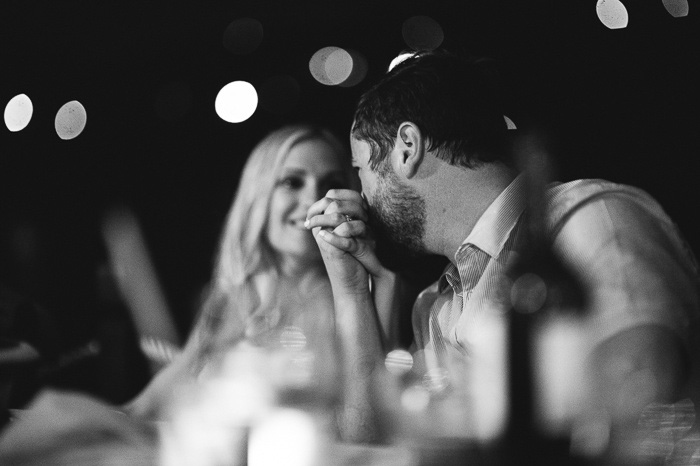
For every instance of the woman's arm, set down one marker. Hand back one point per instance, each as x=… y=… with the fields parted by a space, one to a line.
x=350 y=261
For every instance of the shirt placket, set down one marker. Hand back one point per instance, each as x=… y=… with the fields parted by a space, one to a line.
x=456 y=305
x=471 y=264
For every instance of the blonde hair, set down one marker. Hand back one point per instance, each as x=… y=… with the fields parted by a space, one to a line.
x=246 y=267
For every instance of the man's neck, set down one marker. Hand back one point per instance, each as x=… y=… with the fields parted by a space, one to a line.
x=456 y=200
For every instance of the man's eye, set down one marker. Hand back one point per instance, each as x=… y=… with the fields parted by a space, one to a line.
x=291 y=182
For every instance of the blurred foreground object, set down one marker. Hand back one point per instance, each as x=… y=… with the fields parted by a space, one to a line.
x=266 y=403
x=138 y=283
x=158 y=351
x=610 y=330
x=545 y=330
x=61 y=428
x=15 y=357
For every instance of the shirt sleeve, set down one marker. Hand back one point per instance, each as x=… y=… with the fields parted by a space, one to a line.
x=634 y=264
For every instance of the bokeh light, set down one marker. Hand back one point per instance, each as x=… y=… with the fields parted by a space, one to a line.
x=338 y=66
x=317 y=65
x=677 y=8
x=436 y=380
x=612 y=13
x=70 y=120
x=293 y=338
x=399 y=362
x=279 y=94
x=243 y=36
x=359 y=69
x=422 y=33
x=236 y=101
x=18 y=112
x=331 y=65
x=528 y=293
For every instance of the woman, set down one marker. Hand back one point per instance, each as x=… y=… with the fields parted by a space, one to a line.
x=269 y=288
x=269 y=275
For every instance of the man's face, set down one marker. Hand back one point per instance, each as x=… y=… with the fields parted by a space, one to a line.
x=360 y=163
x=396 y=211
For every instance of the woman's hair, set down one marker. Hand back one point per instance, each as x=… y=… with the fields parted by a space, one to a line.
x=242 y=286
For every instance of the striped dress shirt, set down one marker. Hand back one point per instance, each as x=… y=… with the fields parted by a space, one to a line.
x=629 y=254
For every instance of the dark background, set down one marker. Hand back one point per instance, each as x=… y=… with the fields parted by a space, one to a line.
x=619 y=104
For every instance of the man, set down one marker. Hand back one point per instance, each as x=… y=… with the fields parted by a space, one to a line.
x=432 y=151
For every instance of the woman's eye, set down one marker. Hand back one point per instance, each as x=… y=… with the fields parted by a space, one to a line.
x=291 y=182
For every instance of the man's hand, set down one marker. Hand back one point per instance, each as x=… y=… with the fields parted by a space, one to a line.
x=339 y=224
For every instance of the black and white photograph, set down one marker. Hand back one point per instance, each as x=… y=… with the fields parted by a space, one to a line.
x=389 y=233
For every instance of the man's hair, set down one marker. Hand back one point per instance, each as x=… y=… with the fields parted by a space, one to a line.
x=452 y=99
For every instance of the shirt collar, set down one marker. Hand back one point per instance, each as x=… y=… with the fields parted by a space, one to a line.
x=493 y=227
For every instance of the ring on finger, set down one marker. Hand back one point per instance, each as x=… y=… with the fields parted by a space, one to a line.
x=348 y=218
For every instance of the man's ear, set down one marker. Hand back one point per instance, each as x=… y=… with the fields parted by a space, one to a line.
x=409 y=149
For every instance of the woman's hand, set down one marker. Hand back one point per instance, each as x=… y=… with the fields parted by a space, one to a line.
x=341 y=220
x=339 y=223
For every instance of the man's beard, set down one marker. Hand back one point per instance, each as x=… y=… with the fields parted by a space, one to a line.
x=397 y=218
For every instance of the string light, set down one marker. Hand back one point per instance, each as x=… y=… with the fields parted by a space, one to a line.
x=18 y=112
x=677 y=8
x=612 y=13
x=422 y=33
x=236 y=101
x=331 y=65
x=70 y=120
x=359 y=69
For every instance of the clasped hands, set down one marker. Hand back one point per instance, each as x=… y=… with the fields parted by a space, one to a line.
x=339 y=225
